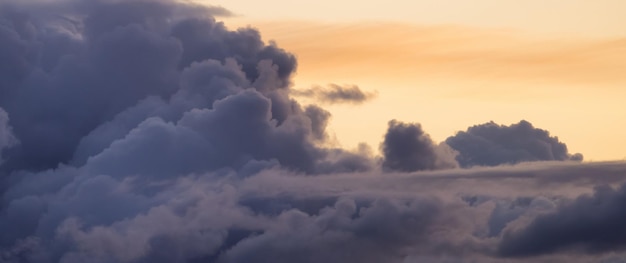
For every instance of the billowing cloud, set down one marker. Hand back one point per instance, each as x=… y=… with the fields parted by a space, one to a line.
x=408 y=148
x=492 y=144
x=335 y=94
x=590 y=223
x=149 y=132
x=103 y=57
x=278 y=216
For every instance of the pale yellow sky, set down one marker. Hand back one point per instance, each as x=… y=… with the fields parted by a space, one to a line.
x=584 y=17
x=451 y=64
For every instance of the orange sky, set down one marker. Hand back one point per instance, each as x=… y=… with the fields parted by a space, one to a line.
x=450 y=74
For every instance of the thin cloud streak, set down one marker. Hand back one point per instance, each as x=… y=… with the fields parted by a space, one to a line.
x=336 y=94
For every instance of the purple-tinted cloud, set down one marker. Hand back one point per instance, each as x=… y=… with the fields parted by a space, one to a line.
x=146 y=131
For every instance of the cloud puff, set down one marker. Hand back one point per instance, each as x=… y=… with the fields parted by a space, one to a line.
x=492 y=144
x=408 y=148
x=102 y=57
x=336 y=94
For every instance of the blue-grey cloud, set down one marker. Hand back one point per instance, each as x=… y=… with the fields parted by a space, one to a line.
x=408 y=148
x=588 y=224
x=102 y=57
x=492 y=144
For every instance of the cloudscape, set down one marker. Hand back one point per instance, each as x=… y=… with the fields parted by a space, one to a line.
x=148 y=131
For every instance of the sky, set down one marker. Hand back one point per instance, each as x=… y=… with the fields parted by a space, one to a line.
x=137 y=131
x=579 y=17
x=451 y=64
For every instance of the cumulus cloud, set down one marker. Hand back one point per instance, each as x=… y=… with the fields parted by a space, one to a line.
x=149 y=132
x=590 y=223
x=102 y=57
x=336 y=94
x=492 y=144
x=408 y=148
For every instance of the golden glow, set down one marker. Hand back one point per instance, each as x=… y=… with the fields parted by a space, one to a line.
x=449 y=78
x=580 y=17
x=405 y=51
x=453 y=64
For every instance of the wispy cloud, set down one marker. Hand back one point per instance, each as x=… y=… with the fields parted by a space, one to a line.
x=336 y=94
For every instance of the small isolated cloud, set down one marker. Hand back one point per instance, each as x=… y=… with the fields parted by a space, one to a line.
x=491 y=144
x=408 y=148
x=336 y=94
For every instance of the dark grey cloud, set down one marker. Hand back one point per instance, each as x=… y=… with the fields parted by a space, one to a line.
x=336 y=94
x=102 y=57
x=319 y=120
x=408 y=148
x=590 y=223
x=492 y=144
x=373 y=231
